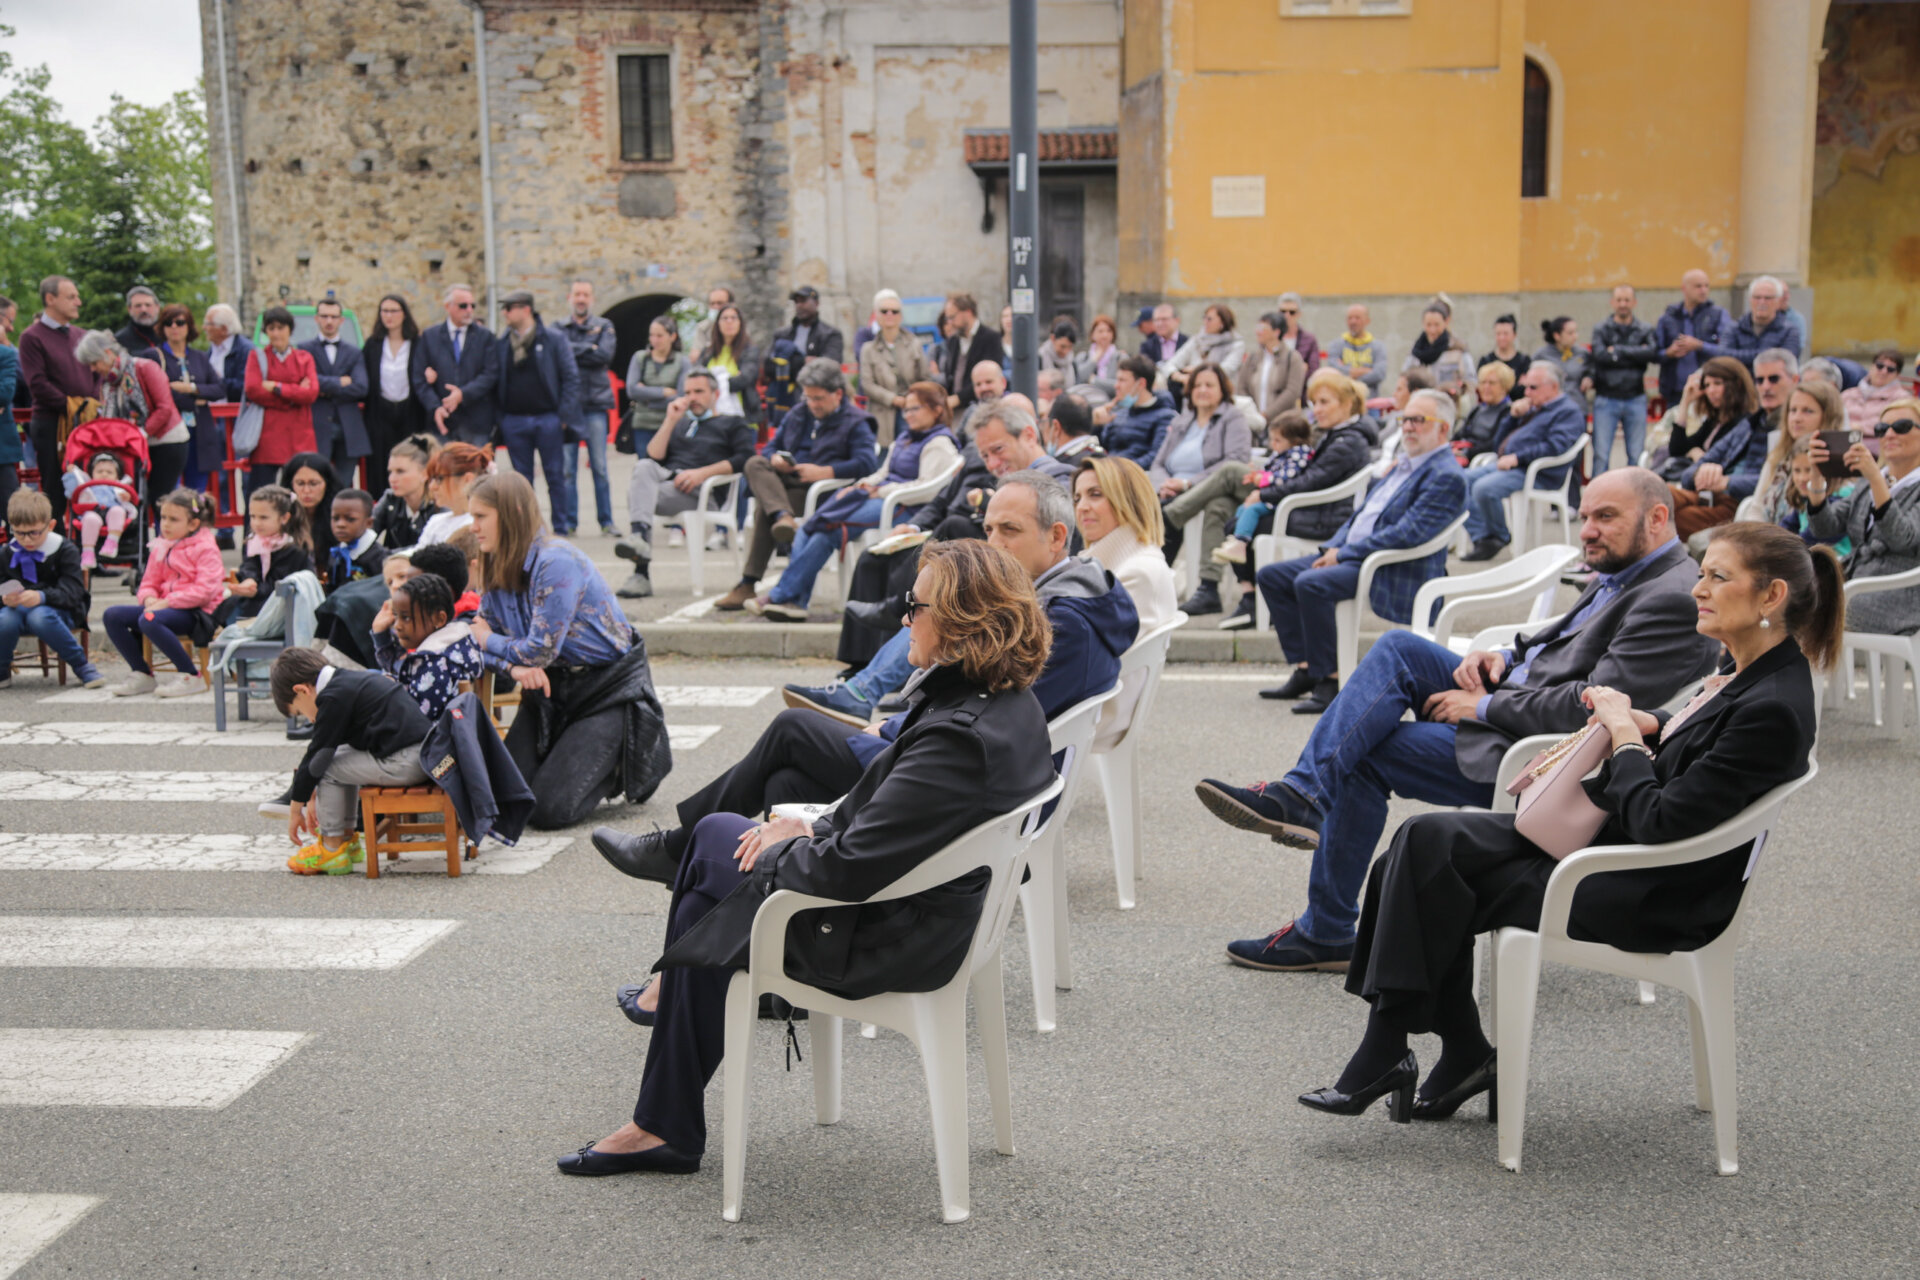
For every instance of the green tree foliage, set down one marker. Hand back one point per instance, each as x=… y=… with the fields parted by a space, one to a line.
x=130 y=205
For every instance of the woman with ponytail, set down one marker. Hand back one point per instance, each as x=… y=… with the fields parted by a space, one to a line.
x=1778 y=610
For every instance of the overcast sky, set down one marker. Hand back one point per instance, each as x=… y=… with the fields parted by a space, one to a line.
x=144 y=50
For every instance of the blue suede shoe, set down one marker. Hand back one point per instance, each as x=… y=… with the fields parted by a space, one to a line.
x=836 y=700
x=1271 y=808
x=1287 y=950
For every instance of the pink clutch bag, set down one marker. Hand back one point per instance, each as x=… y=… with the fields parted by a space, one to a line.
x=1555 y=813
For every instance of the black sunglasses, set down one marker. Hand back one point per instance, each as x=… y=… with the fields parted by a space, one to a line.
x=1884 y=367
x=1899 y=427
x=913 y=607
x=1770 y=378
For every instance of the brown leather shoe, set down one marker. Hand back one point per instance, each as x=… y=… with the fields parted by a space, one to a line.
x=736 y=599
x=785 y=529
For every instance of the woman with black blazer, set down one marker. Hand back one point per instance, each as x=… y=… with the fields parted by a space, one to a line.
x=973 y=744
x=1448 y=877
x=392 y=413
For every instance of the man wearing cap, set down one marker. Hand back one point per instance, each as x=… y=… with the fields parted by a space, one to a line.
x=808 y=331
x=139 y=335
x=538 y=392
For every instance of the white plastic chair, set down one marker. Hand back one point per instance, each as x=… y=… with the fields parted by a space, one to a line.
x=1269 y=547
x=1043 y=898
x=1529 y=500
x=1903 y=650
x=713 y=509
x=1704 y=976
x=936 y=1021
x=1119 y=764
x=911 y=494
x=1535 y=574
x=1349 y=614
x=1189 y=567
x=1502 y=635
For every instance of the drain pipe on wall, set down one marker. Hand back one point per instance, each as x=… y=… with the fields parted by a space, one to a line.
x=233 y=181
x=486 y=166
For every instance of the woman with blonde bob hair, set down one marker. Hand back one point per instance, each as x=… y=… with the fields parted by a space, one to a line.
x=589 y=725
x=1120 y=518
x=972 y=745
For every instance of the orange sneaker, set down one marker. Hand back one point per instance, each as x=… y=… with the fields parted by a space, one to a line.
x=318 y=860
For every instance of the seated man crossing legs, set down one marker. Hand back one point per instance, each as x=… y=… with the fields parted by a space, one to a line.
x=692 y=445
x=1633 y=628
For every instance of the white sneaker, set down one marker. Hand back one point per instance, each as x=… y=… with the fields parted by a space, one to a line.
x=676 y=536
x=134 y=685
x=179 y=685
x=1230 y=551
x=717 y=540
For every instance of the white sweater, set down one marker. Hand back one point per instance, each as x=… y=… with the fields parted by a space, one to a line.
x=1144 y=572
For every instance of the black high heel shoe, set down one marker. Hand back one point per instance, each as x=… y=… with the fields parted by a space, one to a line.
x=1399 y=1082
x=1484 y=1079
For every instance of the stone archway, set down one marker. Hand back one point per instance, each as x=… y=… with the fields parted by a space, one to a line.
x=630 y=320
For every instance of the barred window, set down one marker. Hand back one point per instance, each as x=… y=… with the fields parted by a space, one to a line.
x=646 y=107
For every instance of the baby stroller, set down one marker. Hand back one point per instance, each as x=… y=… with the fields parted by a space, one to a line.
x=128 y=443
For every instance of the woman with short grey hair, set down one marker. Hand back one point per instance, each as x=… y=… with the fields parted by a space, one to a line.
x=890 y=362
x=135 y=389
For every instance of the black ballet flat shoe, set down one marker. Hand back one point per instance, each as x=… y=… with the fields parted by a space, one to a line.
x=1399 y=1082
x=588 y=1163
x=644 y=857
x=628 y=998
x=1484 y=1079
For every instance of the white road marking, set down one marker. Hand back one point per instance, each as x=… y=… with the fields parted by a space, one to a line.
x=83 y=697
x=263 y=852
x=144 y=787
x=84 y=1067
x=685 y=737
x=1205 y=677
x=29 y=1223
x=688 y=613
x=712 y=695
x=213 y=942
x=135 y=733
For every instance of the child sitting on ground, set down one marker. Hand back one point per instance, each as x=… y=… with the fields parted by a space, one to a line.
x=45 y=590
x=419 y=644
x=111 y=508
x=1287 y=438
x=184 y=582
x=1805 y=477
x=277 y=546
x=356 y=551
x=367 y=731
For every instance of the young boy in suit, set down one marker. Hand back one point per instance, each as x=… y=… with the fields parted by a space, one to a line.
x=50 y=601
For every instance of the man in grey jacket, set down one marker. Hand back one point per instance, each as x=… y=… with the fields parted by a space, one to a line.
x=1632 y=629
x=592 y=340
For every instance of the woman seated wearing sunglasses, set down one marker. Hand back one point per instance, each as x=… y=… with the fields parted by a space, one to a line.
x=973 y=744
x=1882 y=517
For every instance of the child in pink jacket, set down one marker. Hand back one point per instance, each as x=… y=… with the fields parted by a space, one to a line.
x=185 y=581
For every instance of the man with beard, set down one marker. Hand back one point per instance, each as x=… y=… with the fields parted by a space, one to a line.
x=1631 y=629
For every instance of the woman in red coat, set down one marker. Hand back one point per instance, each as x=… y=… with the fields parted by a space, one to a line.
x=286 y=390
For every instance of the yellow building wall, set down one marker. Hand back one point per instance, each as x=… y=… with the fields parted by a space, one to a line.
x=1360 y=127
x=1649 y=145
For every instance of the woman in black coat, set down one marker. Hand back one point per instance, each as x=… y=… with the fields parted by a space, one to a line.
x=392 y=412
x=973 y=745
x=1448 y=877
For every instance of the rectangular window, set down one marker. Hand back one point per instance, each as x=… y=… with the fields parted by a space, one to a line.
x=646 y=107
x=1535 y=119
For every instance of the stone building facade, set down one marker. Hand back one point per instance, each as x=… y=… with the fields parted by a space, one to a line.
x=656 y=148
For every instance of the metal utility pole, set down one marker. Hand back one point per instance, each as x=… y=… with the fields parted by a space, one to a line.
x=1023 y=191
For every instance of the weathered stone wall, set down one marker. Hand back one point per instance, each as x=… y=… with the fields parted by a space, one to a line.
x=357 y=135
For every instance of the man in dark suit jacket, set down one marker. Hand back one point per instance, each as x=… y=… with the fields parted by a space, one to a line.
x=455 y=367
x=339 y=433
x=969 y=343
x=1633 y=629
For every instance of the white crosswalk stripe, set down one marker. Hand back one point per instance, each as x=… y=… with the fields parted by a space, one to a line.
x=89 y=697
x=671 y=695
x=141 y=787
x=712 y=695
x=89 y=1067
x=264 y=852
x=29 y=1223
x=240 y=733
x=213 y=942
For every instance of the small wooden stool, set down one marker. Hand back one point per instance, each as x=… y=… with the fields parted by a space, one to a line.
x=50 y=659
x=390 y=814
x=200 y=653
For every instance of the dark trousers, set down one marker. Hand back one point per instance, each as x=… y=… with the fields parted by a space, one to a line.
x=539 y=433
x=388 y=423
x=579 y=771
x=261 y=473
x=689 y=1029
x=44 y=430
x=126 y=623
x=9 y=484
x=167 y=463
x=801 y=757
x=875 y=578
x=1301 y=599
x=1445 y=878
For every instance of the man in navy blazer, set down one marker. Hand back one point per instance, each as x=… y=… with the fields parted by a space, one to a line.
x=339 y=433
x=538 y=393
x=454 y=371
x=1414 y=502
x=1546 y=422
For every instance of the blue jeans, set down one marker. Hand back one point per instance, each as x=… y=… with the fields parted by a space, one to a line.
x=1301 y=599
x=1632 y=417
x=597 y=464
x=45 y=622
x=527 y=434
x=1246 y=521
x=1358 y=754
x=1487 y=490
x=811 y=551
x=889 y=669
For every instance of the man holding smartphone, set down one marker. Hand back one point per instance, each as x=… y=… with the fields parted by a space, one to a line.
x=693 y=445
